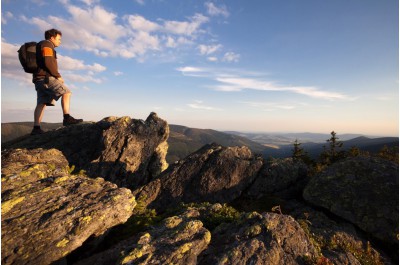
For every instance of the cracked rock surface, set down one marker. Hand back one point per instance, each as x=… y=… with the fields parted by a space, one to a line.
x=47 y=212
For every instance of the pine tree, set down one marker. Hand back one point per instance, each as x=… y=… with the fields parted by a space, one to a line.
x=334 y=153
x=299 y=153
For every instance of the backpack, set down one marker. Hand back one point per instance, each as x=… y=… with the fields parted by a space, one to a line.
x=27 y=57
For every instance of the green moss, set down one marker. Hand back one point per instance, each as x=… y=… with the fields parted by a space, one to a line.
x=185 y=248
x=85 y=220
x=253 y=231
x=8 y=205
x=62 y=243
x=366 y=256
x=172 y=222
x=207 y=237
x=25 y=173
x=133 y=255
x=216 y=214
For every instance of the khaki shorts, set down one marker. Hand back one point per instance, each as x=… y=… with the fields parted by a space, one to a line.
x=49 y=93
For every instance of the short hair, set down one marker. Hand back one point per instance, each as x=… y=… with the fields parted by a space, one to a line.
x=51 y=33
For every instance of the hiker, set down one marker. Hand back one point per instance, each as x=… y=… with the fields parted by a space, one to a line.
x=48 y=82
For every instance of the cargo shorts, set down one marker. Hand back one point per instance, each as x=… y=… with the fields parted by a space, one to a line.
x=49 y=93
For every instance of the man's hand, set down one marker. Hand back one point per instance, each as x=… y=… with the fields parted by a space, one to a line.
x=60 y=79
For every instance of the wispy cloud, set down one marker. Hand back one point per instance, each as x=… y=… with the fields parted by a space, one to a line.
x=209 y=49
x=198 y=104
x=272 y=106
x=231 y=57
x=5 y=17
x=214 y=10
x=234 y=82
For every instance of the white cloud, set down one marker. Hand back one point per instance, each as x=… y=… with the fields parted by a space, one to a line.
x=68 y=63
x=141 y=24
x=213 y=10
x=6 y=16
x=231 y=57
x=212 y=59
x=193 y=71
x=10 y=65
x=80 y=78
x=117 y=73
x=198 y=104
x=104 y=34
x=140 y=2
x=90 y=2
x=186 y=27
x=98 y=20
x=209 y=49
x=170 y=42
x=272 y=106
x=190 y=69
x=229 y=81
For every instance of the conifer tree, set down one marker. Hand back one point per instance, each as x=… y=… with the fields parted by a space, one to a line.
x=299 y=153
x=333 y=153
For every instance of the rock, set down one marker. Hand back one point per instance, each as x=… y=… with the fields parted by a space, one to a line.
x=363 y=191
x=339 y=241
x=213 y=174
x=177 y=240
x=283 y=177
x=125 y=151
x=47 y=212
x=259 y=239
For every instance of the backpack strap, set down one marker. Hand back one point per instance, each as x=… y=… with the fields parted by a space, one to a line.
x=46 y=78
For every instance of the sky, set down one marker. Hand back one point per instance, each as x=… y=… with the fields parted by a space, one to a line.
x=252 y=66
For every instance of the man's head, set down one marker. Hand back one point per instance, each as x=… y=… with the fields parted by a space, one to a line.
x=54 y=36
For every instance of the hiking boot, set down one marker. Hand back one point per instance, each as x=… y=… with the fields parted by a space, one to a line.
x=71 y=121
x=37 y=131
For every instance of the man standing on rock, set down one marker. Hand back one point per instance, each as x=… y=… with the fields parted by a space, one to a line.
x=48 y=82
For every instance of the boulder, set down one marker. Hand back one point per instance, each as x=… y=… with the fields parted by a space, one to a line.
x=47 y=212
x=267 y=238
x=213 y=174
x=362 y=190
x=125 y=151
x=339 y=241
x=176 y=240
x=283 y=177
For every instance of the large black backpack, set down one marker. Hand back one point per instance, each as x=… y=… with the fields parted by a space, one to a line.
x=27 y=57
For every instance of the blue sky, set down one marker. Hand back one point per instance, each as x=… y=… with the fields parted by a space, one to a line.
x=260 y=65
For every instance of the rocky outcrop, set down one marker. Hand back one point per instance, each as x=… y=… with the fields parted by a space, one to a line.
x=176 y=240
x=213 y=174
x=54 y=201
x=363 y=191
x=47 y=212
x=126 y=151
x=259 y=239
x=283 y=177
x=337 y=240
x=249 y=238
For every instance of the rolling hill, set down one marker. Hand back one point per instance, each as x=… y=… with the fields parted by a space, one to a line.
x=184 y=140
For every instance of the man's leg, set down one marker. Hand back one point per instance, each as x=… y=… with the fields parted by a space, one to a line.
x=65 y=100
x=37 y=119
x=38 y=114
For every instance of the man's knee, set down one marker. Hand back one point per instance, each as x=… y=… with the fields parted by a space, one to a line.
x=67 y=94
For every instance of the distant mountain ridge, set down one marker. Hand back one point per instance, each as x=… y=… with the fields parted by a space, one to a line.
x=185 y=140
x=289 y=138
